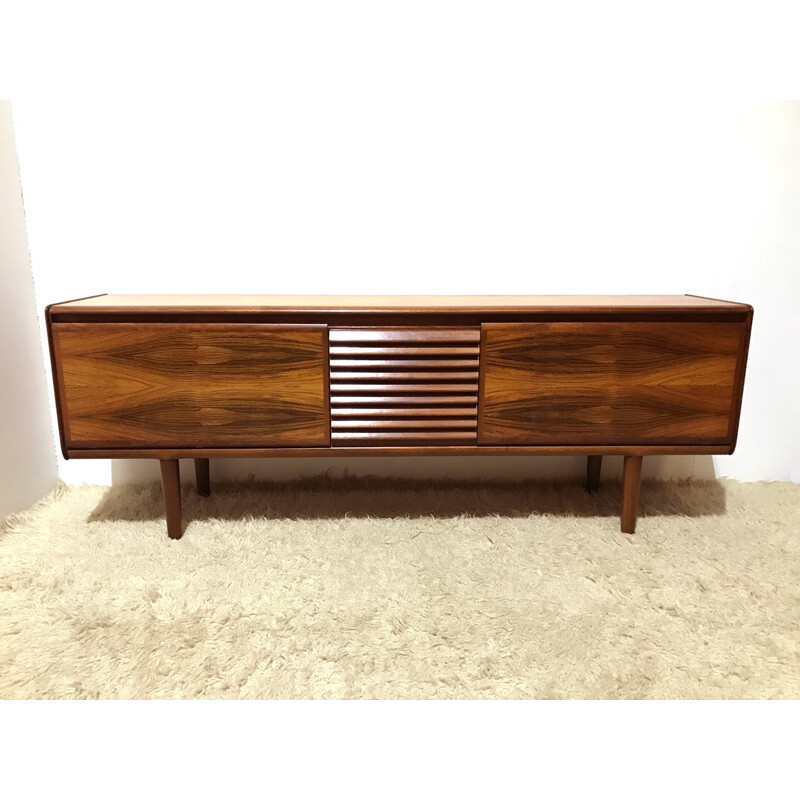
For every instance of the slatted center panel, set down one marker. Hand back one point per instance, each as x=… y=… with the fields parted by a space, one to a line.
x=404 y=385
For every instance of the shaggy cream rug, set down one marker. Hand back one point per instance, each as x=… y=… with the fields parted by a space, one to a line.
x=372 y=588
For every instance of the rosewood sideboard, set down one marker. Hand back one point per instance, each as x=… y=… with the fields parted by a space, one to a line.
x=206 y=376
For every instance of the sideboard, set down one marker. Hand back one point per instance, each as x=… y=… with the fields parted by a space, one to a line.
x=209 y=376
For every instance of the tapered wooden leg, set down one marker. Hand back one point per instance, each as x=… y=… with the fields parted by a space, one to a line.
x=201 y=474
x=631 y=474
x=171 y=483
x=593 y=466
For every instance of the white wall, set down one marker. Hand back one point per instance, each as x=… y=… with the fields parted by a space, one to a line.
x=351 y=148
x=27 y=449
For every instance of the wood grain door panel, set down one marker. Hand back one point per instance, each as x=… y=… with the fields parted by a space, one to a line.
x=609 y=382
x=192 y=385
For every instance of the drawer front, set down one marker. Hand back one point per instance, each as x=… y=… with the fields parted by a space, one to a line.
x=567 y=383
x=192 y=385
x=404 y=386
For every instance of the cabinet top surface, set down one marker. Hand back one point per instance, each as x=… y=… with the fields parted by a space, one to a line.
x=253 y=303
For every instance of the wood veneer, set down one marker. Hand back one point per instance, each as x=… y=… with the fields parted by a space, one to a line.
x=608 y=382
x=414 y=304
x=192 y=384
x=192 y=376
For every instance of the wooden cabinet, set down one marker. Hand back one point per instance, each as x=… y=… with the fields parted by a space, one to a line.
x=172 y=377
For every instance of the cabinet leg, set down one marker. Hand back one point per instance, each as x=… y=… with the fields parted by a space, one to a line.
x=631 y=475
x=201 y=473
x=593 y=466
x=171 y=484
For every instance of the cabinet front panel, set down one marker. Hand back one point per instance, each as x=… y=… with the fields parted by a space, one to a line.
x=404 y=385
x=609 y=383
x=192 y=385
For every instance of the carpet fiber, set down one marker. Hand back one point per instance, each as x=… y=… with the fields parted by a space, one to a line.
x=372 y=588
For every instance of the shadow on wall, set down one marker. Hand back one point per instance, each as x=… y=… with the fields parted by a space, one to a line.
x=324 y=497
x=503 y=468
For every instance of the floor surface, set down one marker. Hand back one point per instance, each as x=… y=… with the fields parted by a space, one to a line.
x=372 y=588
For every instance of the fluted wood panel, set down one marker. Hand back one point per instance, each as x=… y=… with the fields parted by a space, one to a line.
x=198 y=384
x=396 y=385
x=609 y=383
